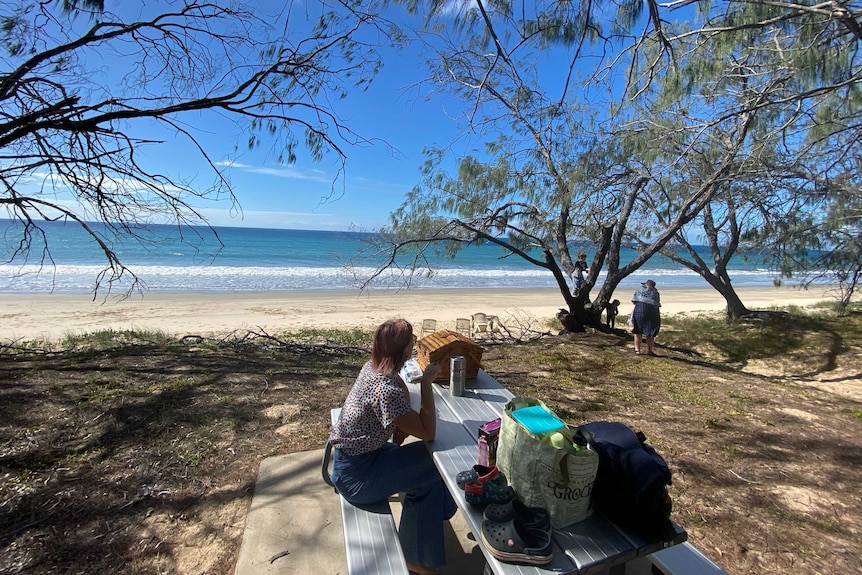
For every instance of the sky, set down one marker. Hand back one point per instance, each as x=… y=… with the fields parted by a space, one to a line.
x=377 y=176
x=398 y=114
x=272 y=195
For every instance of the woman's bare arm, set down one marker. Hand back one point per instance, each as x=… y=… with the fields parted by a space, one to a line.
x=422 y=424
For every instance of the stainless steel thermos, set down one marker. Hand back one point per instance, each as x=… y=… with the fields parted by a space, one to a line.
x=457 y=368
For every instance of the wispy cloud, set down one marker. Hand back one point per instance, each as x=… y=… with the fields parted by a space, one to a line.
x=289 y=220
x=287 y=172
x=376 y=185
x=46 y=182
x=456 y=7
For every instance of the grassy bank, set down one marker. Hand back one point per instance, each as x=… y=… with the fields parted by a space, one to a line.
x=137 y=452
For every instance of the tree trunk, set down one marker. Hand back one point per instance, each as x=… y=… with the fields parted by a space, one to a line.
x=735 y=308
x=582 y=312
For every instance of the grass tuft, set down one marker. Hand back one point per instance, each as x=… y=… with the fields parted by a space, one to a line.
x=107 y=339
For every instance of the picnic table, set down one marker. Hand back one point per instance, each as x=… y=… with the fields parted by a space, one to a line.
x=594 y=545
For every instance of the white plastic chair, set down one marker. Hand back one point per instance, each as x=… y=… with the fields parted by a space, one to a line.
x=429 y=326
x=479 y=323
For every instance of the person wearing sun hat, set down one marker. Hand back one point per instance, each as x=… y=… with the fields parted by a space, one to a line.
x=646 y=319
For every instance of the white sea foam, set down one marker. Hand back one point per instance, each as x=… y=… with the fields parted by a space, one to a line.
x=262 y=260
x=81 y=278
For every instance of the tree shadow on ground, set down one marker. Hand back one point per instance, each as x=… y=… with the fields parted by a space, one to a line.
x=103 y=444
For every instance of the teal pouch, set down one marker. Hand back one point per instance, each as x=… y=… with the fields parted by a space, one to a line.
x=537 y=420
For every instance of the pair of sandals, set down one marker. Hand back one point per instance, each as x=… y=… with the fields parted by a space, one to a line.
x=512 y=531
x=516 y=533
x=484 y=485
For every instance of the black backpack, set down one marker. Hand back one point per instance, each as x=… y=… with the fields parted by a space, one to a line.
x=631 y=482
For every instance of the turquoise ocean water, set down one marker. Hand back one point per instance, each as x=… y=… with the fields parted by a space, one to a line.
x=260 y=260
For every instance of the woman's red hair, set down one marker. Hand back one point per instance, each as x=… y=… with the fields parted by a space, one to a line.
x=388 y=348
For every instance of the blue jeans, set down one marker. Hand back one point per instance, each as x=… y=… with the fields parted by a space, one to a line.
x=408 y=469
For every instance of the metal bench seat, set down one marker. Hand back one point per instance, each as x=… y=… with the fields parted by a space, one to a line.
x=684 y=559
x=370 y=537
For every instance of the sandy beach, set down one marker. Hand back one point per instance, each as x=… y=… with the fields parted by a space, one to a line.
x=48 y=316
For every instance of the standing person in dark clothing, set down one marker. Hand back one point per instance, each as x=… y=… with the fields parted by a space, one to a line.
x=646 y=319
x=613 y=310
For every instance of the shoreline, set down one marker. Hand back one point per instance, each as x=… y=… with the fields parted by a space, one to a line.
x=53 y=316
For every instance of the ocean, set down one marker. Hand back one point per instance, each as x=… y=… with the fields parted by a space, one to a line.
x=265 y=260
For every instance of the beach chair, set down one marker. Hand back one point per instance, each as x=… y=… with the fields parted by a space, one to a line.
x=479 y=323
x=462 y=326
x=429 y=326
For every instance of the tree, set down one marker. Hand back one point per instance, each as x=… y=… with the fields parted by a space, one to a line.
x=709 y=120
x=820 y=240
x=555 y=174
x=70 y=128
x=802 y=64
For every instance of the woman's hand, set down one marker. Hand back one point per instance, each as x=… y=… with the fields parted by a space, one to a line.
x=430 y=374
x=422 y=424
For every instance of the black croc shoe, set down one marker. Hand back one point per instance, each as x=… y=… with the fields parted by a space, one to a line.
x=538 y=517
x=514 y=542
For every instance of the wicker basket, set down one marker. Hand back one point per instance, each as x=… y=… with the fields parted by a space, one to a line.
x=441 y=345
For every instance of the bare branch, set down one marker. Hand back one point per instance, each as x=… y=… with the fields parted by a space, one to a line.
x=79 y=137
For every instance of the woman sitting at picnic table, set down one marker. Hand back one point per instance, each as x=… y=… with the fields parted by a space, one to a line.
x=367 y=467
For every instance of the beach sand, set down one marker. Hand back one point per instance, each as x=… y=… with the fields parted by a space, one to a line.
x=50 y=317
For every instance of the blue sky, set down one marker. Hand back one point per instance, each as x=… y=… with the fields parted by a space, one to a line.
x=396 y=114
x=398 y=110
x=273 y=195
x=377 y=175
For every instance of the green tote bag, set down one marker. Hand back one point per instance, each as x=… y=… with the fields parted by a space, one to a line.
x=559 y=479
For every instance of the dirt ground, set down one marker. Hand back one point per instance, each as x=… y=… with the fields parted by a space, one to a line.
x=141 y=456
